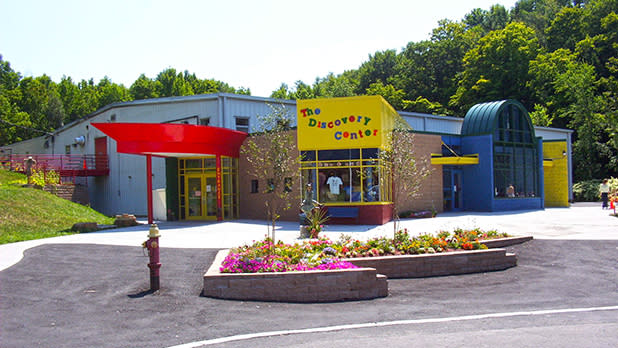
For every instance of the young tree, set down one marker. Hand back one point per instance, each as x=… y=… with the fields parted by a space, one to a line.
x=404 y=168
x=272 y=156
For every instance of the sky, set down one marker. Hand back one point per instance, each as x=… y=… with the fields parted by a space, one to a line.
x=256 y=44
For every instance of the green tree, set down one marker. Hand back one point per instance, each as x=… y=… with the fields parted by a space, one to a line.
x=379 y=68
x=577 y=87
x=543 y=72
x=393 y=96
x=566 y=29
x=540 y=116
x=14 y=123
x=425 y=106
x=282 y=93
x=538 y=14
x=110 y=92
x=144 y=88
x=334 y=86
x=172 y=84
x=497 y=67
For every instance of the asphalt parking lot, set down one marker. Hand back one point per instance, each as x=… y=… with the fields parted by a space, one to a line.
x=564 y=292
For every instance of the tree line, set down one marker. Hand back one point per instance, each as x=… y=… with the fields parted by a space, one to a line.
x=32 y=106
x=558 y=57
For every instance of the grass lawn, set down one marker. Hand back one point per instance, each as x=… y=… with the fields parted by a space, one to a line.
x=29 y=213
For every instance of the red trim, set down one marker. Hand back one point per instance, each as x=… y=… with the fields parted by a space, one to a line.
x=149 y=188
x=219 y=189
x=173 y=140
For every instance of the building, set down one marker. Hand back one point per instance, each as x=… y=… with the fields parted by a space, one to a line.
x=491 y=160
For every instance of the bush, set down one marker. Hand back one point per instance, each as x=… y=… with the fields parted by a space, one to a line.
x=588 y=191
x=42 y=178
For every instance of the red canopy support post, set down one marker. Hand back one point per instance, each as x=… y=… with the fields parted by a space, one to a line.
x=219 y=189
x=149 y=187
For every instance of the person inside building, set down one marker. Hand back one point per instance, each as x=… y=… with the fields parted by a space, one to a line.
x=510 y=191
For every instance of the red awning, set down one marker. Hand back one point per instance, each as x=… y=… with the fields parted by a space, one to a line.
x=173 y=140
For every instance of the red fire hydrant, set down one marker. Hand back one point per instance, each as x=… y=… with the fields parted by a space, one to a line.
x=152 y=244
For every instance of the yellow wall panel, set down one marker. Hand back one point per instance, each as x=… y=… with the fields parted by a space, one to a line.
x=344 y=123
x=556 y=177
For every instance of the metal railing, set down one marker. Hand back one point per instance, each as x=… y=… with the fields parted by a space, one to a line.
x=64 y=165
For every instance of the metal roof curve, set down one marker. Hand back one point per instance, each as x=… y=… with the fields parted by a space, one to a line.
x=483 y=118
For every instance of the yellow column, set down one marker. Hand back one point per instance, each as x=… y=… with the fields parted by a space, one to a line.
x=556 y=176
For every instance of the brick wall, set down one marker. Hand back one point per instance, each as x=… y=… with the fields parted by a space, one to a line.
x=430 y=194
x=73 y=193
x=252 y=204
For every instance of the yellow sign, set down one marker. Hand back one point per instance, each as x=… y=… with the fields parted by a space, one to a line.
x=344 y=123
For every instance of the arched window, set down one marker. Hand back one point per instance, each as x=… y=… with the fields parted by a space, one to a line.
x=515 y=148
x=516 y=164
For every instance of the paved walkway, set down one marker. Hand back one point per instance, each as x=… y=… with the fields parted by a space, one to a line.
x=580 y=221
x=562 y=293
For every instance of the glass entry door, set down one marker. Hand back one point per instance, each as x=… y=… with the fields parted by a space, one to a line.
x=201 y=198
x=452 y=186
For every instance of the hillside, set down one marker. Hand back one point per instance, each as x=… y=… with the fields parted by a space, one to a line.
x=29 y=213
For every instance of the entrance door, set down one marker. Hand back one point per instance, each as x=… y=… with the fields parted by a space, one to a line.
x=201 y=198
x=100 y=150
x=452 y=188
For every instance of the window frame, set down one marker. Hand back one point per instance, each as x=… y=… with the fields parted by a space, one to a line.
x=357 y=169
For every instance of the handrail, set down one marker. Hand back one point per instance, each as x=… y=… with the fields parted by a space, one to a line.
x=66 y=165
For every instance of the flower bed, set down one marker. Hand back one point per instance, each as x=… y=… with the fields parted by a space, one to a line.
x=324 y=271
x=323 y=254
x=266 y=256
x=349 y=284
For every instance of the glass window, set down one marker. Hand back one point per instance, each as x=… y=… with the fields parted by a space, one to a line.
x=516 y=168
x=370 y=153
x=342 y=176
x=270 y=184
x=331 y=155
x=307 y=156
x=242 y=124
x=205 y=121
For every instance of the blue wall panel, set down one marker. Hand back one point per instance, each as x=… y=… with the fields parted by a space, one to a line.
x=478 y=180
x=541 y=184
x=506 y=204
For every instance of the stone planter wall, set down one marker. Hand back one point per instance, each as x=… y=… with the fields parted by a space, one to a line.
x=307 y=286
x=440 y=264
x=73 y=193
x=504 y=242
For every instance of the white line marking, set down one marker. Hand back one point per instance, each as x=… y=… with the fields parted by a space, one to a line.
x=389 y=323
